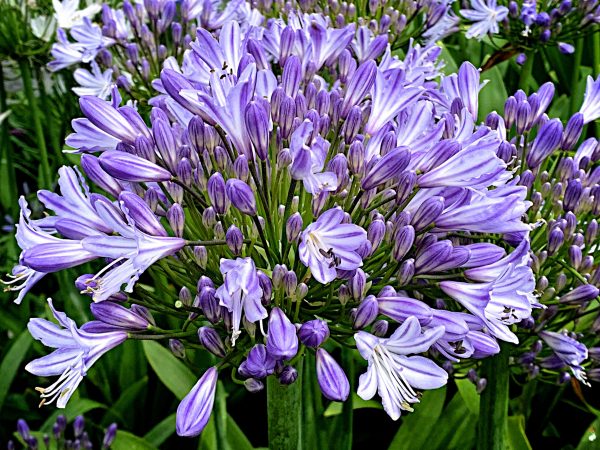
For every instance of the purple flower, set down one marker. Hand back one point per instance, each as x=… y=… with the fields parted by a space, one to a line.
x=77 y=349
x=240 y=293
x=328 y=244
x=393 y=374
x=128 y=167
x=241 y=196
x=591 y=102
x=282 y=342
x=308 y=160
x=391 y=94
x=570 y=352
x=332 y=380
x=120 y=317
x=313 y=333
x=485 y=15
x=194 y=410
x=506 y=296
x=258 y=364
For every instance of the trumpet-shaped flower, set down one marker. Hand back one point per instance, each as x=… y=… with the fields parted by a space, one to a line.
x=392 y=373
x=241 y=293
x=77 y=349
x=328 y=245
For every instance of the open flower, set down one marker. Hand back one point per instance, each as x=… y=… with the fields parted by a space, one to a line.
x=328 y=245
x=392 y=373
x=77 y=349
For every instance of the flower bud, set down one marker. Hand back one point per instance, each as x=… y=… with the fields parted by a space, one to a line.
x=241 y=196
x=257 y=125
x=217 y=193
x=176 y=218
x=427 y=213
x=403 y=242
x=293 y=227
x=194 y=410
x=388 y=167
x=313 y=333
x=109 y=436
x=288 y=375
x=210 y=339
x=253 y=385
x=258 y=364
x=210 y=304
x=282 y=342
x=235 y=240
x=580 y=294
x=201 y=255
x=380 y=328
x=177 y=348
x=366 y=312
x=331 y=378
x=406 y=272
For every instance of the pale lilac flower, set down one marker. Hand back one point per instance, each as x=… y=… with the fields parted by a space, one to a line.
x=392 y=373
x=68 y=14
x=94 y=82
x=332 y=380
x=328 y=244
x=591 y=102
x=506 y=296
x=569 y=351
x=77 y=349
x=194 y=410
x=241 y=293
x=391 y=93
x=485 y=14
x=308 y=160
x=282 y=342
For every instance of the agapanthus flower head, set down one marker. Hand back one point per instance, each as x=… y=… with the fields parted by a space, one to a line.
x=296 y=171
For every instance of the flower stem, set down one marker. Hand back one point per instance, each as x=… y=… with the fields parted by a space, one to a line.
x=526 y=71
x=7 y=168
x=37 y=124
x=493 y=412
x=284 y=409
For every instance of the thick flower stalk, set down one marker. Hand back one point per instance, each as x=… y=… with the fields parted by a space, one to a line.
x=298 y=198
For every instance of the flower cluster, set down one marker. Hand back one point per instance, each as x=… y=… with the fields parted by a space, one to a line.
x=531 y=24
x=59 y=438
x=130 y=44
x=395 y=21
x=559 y=169
x=299 y=196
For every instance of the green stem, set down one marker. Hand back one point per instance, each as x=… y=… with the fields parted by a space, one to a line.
x=37 y=124
x=577 y=57
x=526 y=71
x=6 y=162
x=284 y=409
x=493 y=413
x=221 y=418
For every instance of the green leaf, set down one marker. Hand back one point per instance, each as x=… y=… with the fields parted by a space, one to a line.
x=12 y=362
x=417 y=426
x=136 y=366
x=126 y=403
x=172 y=372
x=76 y=407
x=493 y=95
x=127 y=441
x=517 y=438
x=455 y=427
x=236 y=437
x=335 y=408
x=469 y=394
x=450 y=66
x=162 y=431
x=590 y=439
